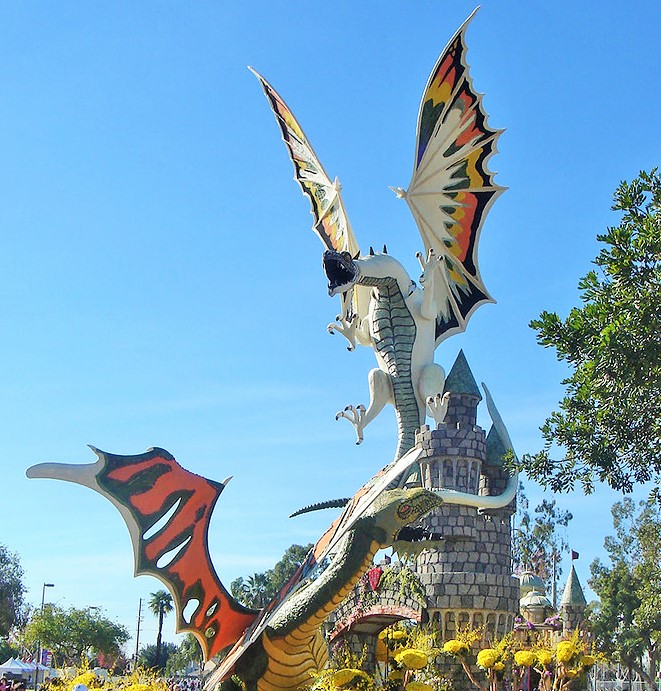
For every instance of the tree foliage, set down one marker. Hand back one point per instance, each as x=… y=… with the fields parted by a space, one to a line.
x=609 y=422
x=160 y=603
x=260 y=588
x=151 y=658
x=12 y=591
x=189 y=650
x=538 y=539
x=73 y=633
x=626 y=622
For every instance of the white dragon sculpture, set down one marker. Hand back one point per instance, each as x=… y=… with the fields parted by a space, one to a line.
x=450 y=192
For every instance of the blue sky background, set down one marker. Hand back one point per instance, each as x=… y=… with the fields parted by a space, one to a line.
x=160 y=285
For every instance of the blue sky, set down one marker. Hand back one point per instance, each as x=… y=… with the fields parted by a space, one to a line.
x=160 y=285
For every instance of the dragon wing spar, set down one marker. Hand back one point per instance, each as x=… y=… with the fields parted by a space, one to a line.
x=452 y=189
x=167 y=511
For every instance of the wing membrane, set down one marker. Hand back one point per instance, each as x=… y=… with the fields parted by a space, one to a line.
x=167 y=510
x=452 y=188
x=330 y=219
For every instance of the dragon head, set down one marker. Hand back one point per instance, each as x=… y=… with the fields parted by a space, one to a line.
x=396 y=509
x=340 y=270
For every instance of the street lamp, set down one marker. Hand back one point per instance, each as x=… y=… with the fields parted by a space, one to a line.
x=43 y=598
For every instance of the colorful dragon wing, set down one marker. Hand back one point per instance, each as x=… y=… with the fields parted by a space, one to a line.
x=330 y=219
x=167 y=510
x=452 y=189
x=331 y=223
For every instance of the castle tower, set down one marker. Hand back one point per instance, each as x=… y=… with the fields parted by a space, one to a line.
x=572 y=604
x=467 y=574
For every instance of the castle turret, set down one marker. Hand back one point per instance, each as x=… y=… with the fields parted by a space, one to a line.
x=572 y=604
x=467 y=573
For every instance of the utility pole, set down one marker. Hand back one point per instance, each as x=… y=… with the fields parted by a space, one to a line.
x=137 y=632
x=36 y=669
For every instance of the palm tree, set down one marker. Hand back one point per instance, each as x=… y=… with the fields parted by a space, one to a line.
x=160 y=603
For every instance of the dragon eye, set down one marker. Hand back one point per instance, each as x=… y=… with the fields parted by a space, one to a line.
x=403 y=510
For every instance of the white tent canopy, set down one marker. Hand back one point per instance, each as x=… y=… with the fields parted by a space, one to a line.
x=14 y=666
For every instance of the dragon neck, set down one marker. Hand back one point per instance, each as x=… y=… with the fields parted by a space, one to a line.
x=393 y=331
x=306 y=610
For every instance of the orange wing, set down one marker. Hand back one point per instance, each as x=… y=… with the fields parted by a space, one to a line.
x=167 y=510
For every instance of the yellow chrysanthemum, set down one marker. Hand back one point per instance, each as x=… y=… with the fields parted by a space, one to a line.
x=499 y=667
x=347 y=675
x=587 y=660
x=412 y=658
x=565 y=651
x=396 y=675
x=86 y=678
x=487 y=658
x=524 y=658
x=418 y=686
x=544 y=657
x=455 y=647
x=398 y=635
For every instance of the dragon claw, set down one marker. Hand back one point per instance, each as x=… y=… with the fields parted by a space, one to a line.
x=438 y=406
x=356 y=416
x=346 y=326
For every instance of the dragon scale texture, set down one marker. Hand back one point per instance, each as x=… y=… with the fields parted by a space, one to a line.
x=293 y=643
x=393 y=332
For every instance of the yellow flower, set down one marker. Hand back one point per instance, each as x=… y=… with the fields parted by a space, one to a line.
x=544 y=657
x=499 y=667
x=455 y=647
x=347 y=675
x=412 y=658
x=565 y=651
x=487 y=658
x=524 y=658
x=587 y=660
x=138 y=687
x=86 y=678
x=396 y=675
x=398 y=634
x=418 y=686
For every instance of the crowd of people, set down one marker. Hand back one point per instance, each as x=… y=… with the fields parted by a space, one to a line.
x=11 y=685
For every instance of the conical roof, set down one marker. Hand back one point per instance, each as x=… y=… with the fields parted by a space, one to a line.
x=496 y=447
x=461 y=380
x=573 y=593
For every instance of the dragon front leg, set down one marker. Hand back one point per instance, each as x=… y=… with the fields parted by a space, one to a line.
x=380 y=394
x=430 y=387
x=346 y=326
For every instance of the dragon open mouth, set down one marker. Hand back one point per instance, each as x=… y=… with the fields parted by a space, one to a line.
x=410 y=534
x=340 y=271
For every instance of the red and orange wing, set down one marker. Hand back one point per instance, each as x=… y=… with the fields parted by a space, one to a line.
x=167 y=510
x=452 y=189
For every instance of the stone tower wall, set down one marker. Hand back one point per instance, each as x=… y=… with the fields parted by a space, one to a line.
x=467 y=576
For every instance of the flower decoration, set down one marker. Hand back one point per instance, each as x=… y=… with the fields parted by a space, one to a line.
x=412 y=658
x=455 y=647
x=524 y=658
x=487 y=658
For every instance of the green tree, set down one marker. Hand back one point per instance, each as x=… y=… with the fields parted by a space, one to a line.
x=538 y=540
x=189 y=650
x=73 y=633
x=12 y=591
x=152 y=658
x=609 y=422
x=260 y=588
x=160 y=604
x=626 y=622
